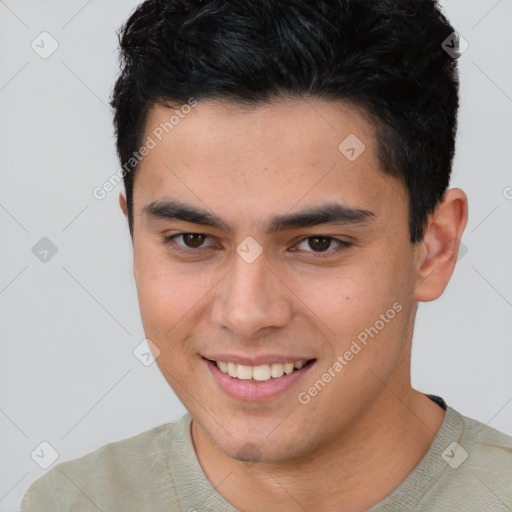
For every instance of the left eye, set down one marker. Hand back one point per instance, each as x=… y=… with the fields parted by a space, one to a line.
x=320 y=244
x=190 y=240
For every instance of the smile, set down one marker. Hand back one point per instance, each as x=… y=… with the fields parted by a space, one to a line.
x=260 y=373
x=263 y=381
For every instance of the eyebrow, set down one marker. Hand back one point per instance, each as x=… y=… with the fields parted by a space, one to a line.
x=330 y=213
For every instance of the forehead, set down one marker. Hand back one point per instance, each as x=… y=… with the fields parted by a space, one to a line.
x=268 y=156
x=305 y=127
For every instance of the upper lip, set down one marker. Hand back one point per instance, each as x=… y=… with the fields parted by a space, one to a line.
x=256 y=360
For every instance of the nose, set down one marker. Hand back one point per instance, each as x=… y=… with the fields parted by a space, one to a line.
x=251 y=299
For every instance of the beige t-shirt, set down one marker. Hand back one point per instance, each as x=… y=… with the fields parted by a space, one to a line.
x=468 y=467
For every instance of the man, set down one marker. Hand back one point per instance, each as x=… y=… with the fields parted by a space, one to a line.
x=286 y=168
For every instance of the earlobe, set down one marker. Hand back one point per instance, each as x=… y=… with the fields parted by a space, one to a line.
x=440 y=246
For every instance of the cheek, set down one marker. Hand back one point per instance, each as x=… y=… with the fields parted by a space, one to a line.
x=342 y=297
x=347 y=303
x=168 y=302
x=171 y=296
x=162 y=293
x=165 y=300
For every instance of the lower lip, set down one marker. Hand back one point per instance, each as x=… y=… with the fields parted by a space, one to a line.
x=256 y=391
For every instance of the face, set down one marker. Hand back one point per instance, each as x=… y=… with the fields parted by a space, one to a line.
x=259 y=241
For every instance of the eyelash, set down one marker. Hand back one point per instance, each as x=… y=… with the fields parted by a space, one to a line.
x=342 y=244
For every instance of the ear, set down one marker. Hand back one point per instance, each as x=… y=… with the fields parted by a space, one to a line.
x=122 y=204
x=437 y=252
x=124 y=208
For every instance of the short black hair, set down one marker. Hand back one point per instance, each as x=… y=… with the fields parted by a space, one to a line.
x=386 y=56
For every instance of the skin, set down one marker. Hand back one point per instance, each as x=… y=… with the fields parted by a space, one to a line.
x=361 y=436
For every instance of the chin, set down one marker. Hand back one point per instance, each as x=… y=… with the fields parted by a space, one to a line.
x=251 y=450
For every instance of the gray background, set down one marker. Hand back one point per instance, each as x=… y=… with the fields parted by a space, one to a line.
x=69 y=326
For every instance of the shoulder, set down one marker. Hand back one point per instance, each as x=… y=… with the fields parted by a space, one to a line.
x=93 y=481
x=478 y=469
x=486 y=447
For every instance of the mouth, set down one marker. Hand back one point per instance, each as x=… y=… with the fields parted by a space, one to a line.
x=260 y=382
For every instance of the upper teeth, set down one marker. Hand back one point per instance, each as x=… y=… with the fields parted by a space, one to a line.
x=261 y=372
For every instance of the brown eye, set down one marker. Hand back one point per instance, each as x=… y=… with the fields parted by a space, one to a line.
x=319 y=243
x=193 y=240
x=320 y=246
